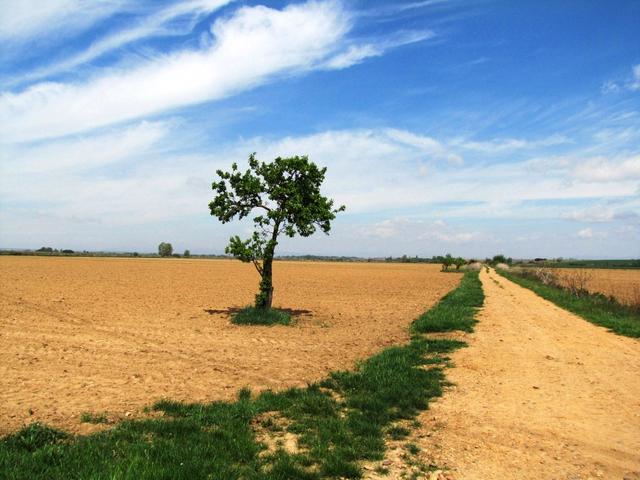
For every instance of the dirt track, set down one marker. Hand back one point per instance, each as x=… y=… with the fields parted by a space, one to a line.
x=115 y=335
x=541 y=394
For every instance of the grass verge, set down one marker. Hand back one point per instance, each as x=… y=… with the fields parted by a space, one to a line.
x=456 y=310
x=336 y=423
x=596 y=308
x=260 y=316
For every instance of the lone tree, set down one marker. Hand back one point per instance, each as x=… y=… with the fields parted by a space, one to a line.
x=165 y=249
x=286 y=196
x=447 y=261
x=458 y=262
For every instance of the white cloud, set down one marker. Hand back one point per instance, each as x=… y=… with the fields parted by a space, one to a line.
x=418 y=229
x=25 y=19
x=509 y=144
x=160 y=23
x=589 y=233
x=604 y=214
x=585 y=233
x=358 y=53
x=131 y=176
x=84 y=153
x=604 y=170
x=428 y=145
x=631 y=83
x=610 y=87
x=249 y=47
x=635 y=82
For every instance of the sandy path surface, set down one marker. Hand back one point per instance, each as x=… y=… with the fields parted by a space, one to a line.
x=115 y=335
x=540 y=394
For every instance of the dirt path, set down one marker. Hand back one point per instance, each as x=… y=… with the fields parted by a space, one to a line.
x=541 y=394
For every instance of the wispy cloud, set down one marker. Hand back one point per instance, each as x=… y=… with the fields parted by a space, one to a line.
x=24 y=20
x=359 y=52
x=605 y=214
x=161 y=23
x=249 y=48
x=85 y=152
x=608 y=170
x=631 y=83
x=509 y=144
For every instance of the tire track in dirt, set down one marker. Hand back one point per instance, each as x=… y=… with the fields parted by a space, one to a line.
x=540 y=394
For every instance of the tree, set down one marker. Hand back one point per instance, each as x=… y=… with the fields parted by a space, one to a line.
x=165 y=249
x=447 y=261
x=499 y=259
x=286 y=195
x=186 y=254
x=458 y=262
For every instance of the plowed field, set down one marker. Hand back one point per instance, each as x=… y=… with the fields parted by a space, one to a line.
x=624 y=285
x=114 y=335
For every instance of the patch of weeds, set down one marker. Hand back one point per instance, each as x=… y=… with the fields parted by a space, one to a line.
x=94 y=418
x=382 y=470
x=260 y=316
x=412 y=448
x=33 y=437
x=398 y=432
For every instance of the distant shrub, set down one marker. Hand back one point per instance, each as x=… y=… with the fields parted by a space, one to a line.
x=576 y=282
x=165 y=249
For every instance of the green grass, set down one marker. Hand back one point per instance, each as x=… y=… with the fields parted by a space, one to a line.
x=260 y=316
x=88 y=417
x=456 y=311
x=338 y=422
x=596 y=308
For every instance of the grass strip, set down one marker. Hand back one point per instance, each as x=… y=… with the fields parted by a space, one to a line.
x=593 y=307
x=456 y=310
x=337 y=422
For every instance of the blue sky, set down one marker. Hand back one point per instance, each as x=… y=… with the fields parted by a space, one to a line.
x=470 y=127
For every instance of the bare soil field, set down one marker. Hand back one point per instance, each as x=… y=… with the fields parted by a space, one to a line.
x=114 y=335
x=624 y=285
x=540 y=394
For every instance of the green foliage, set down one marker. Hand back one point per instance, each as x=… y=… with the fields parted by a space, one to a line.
x=596 y=308
x=498 y=259
x=447 y=261
x=88 y=417
x=165 y=249
x=186 y=254
x=457 y=310
x=260 y=316
x=286 y=195
x=338 y=423
x=33 y=437
x=458 y=262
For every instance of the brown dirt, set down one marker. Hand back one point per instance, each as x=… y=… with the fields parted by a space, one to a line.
x=540 y=394
x=624 y=285
x=114 y=335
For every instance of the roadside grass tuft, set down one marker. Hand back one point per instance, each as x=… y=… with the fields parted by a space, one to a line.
x=95 y=418
x=594 y=307
x=260 y=316
x=337 y=423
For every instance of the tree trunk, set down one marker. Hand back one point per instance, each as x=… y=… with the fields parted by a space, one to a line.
x=264 y=298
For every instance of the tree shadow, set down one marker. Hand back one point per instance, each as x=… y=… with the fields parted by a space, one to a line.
x=231 y=310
